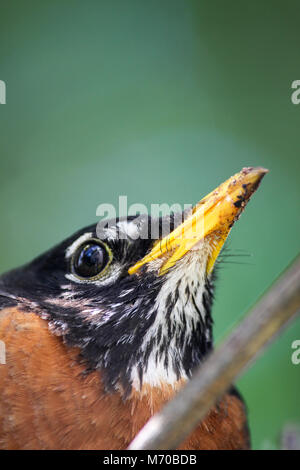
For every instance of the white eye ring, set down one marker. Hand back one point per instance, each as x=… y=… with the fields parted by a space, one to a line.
x=76 y=244
x=110 y=276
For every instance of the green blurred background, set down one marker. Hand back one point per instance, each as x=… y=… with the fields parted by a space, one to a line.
x=159 y=101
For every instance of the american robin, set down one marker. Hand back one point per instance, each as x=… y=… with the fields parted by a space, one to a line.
x=103 y=329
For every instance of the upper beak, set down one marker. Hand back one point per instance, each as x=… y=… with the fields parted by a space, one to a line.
x=210 y=220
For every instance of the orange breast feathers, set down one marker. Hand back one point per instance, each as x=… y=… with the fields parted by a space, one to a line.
x=48 y=402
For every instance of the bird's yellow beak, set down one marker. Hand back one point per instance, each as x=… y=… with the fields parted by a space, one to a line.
x=210 y=220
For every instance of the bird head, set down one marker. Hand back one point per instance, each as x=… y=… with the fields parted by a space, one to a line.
x=134 y=295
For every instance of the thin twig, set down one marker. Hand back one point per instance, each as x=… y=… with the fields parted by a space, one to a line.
x=174 y=423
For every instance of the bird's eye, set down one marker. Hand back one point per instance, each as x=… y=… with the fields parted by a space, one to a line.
x=90 y=260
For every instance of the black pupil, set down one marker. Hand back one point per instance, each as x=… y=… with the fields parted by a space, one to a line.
x=90 y=260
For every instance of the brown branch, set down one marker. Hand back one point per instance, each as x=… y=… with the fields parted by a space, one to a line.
x=174 y=423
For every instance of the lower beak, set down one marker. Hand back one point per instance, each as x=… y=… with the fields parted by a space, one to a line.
x=210 y=220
